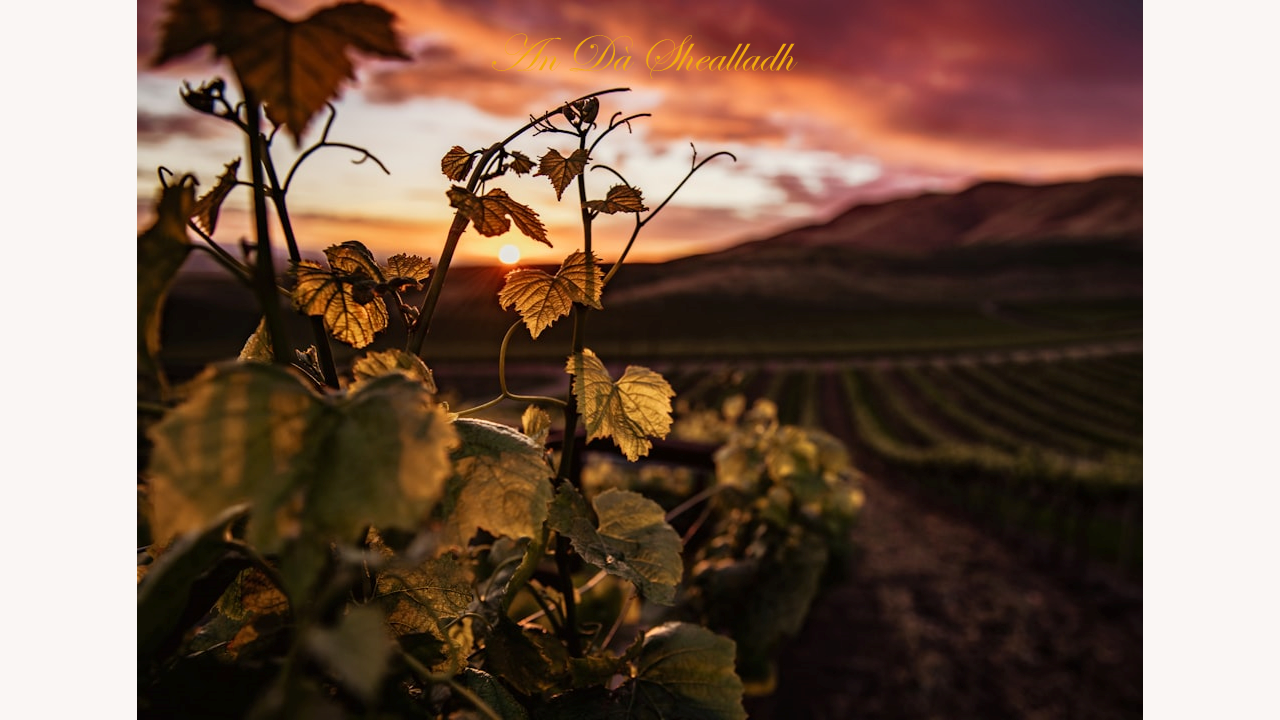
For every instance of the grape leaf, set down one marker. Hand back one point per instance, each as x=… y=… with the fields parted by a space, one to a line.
x=240 y=436
x=501 y=482
x=520 y=163
x=422 y=602
x=560 y=169
x=258 y=347
x=385 y=458
x=488 y=689
x=680 y=671
x=163 y=592
x=541 y=299
x=378 y=363
x=404 y=270
x=620 y=198
x=332 y=296
x=207 y=207
x=354 y=258
x=162 y=249
x=631 y=410
x=357 y=651
x=526 y=658
x=536 y=423
x=456 y=163
x=294 y=68
x=633 y=540
x=489 y=213
x=250 y=432
x=686 y=671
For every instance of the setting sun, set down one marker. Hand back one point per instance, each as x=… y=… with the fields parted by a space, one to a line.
x=509 y=254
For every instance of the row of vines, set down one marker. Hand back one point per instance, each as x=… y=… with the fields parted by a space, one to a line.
x=1049 y=450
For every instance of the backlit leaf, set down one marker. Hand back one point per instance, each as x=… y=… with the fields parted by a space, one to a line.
x=332 y=296
x=207 y=207
x=632 y=541
x=162 y=248
x=294 y=68
x=385 y=460
x=560 y=169
x=520 y=163
x=457 y=163
x=631 y=410
x=522 y=215
x=489 y=213
x=320 y=466
x=621 y=198
x=384 y=362
x=541 y=299
x=423 y=602
x=536 y=423
x=240 y=436
x=354 y=258
x=258 y=347
x=403 y=270
x=501 y=482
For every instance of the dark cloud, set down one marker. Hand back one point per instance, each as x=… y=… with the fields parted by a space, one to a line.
x=154 y=127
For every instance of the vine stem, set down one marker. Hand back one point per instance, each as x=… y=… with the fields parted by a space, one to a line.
x=265 y=277
x=460 y=224
x=425 y=673
x=324 y=352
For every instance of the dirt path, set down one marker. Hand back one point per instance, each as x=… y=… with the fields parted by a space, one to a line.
x=936 y=619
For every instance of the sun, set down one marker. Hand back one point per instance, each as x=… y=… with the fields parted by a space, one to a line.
x=509 y=254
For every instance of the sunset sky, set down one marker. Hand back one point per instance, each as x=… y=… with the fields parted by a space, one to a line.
x=885 y=99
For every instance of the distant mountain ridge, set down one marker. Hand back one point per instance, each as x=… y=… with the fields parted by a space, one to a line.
x=994 y=212
x=992 y=241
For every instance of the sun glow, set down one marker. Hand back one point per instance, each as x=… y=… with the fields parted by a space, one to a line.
x=509 y=254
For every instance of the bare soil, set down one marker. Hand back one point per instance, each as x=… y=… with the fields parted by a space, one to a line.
x=934 y=617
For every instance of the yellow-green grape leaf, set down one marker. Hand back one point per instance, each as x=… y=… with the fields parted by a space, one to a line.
x=536 y=423
x=294 y=68
x=560 y=169
x=385 y=461
x=357 y=651
x=258 y=347
x=457 y=163
x=333 y=297
x=501 y=482
x=631 y=410
x=240 y=436
x=384 y=362
x=687 y=671
x=422 y=603
x=620 y=198
x=520 y=163
x=403 y=270
x=632 y=541
x=586 y=280
x=162 y=248
x=208 y=206
x=541 y=299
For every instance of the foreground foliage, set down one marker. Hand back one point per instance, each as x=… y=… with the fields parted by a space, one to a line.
x=327 y=542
